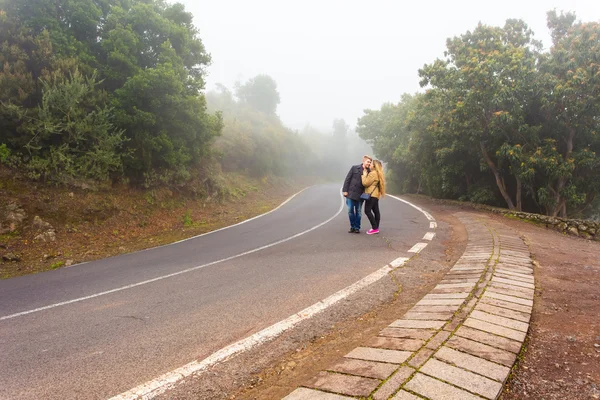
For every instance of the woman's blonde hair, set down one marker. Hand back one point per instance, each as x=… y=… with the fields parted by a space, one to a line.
x=379 y=168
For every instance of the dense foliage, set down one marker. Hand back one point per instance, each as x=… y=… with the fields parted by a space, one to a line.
x=97 y=89
x=501 y=121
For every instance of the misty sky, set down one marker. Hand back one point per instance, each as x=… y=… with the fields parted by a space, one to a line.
x=332 y=59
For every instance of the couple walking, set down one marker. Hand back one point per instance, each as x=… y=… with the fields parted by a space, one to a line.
x=364 y=183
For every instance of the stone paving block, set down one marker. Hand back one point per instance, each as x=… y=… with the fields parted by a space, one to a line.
x=502 y=321
x=381 y=355
x=506 y=304
x=460 y=275
x=448 y=290
x=440 y=302
x=523 y=253
x=482 y=350
x=514 y=268
x=515 y=260
x=418 y=324
x=528 y=275
x=343 y=384
x=437 y=340
x=474 y=364
x=454 y=285
x=524 y=260
x=513 y=282
x=393 y=384
x=495 y=329
x=368 y=369
x=515 y=289
x=403 y=395
x=503 y=312
x=435 y=316
x=310 y=394
x=515 y=263
x=493 y=288
x=460 y=295
x=507 y=285
x=455 y=322
x=450 y=279
x=407 y=333
x=512 y=290
x=395 y=343
x=510 y=299
x=468 y=270
x=520 y=263
x=437 y=390
x=433 y=309
x=516 y=277
x=461 y=378
x=419 y=359
x=489 y=339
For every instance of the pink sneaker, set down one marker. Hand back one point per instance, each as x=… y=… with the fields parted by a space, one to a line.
x=372 y=231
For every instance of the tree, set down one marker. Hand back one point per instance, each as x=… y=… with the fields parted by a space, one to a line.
x=259 y=93
x=144 y=56
x=486 y=82
x=70 y=135
x=571 y=107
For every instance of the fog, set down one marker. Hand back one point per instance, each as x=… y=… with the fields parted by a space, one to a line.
x=332 y=59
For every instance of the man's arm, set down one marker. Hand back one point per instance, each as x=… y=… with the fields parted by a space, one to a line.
x=347 y=182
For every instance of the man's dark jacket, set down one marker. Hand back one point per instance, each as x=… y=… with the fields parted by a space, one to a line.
x=353 y=182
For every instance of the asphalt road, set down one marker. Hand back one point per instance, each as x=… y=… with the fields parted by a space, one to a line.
x=106 y=344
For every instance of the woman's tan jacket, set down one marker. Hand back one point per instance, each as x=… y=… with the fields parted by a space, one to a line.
x=371 y=183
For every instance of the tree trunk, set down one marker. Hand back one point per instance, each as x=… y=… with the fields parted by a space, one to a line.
x=519 y=204
x=561 y=204
x=499 y=181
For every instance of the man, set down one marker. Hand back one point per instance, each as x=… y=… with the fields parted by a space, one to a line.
x=352 y=190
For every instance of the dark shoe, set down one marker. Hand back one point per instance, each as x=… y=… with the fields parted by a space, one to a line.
x=357 y=231
x=351 y=230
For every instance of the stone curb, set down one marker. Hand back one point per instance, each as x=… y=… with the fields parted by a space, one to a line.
x=584 y=228
x=457 y=343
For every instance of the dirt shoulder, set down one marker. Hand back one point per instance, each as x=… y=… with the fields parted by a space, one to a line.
x=561 y=358
x=94 y=224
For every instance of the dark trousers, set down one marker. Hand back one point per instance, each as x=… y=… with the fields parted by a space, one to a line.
x=372 y=211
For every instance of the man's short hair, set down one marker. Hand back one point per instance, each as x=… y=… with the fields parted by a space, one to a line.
x=366 y=156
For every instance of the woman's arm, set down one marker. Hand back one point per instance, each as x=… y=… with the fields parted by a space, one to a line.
x=369 y=179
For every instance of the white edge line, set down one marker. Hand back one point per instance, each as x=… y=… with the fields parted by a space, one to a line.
x=427 y=215
x=417 y=248
x=432 y=225
x=165 y=382
x=175 y=273
x=429 y=236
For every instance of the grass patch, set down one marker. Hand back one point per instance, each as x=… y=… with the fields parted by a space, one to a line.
x=57 y=265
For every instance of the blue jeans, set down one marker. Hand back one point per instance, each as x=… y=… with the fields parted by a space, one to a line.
x=354 y=211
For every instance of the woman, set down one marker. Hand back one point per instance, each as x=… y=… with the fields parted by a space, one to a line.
x=374 y=183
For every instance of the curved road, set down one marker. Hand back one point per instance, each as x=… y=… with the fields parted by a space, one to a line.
x=99 y=329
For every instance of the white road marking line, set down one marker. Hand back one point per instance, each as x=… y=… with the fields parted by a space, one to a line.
x=427 y=215
x=429 y=236
x=398 y=262
x=63 y=303
x=165 y=382
x=432 y=225
x=417 y=248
